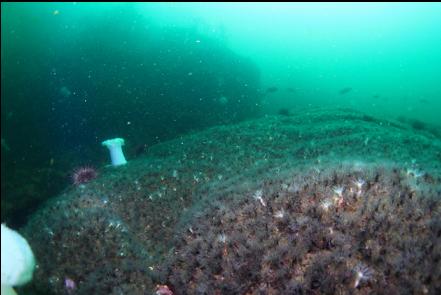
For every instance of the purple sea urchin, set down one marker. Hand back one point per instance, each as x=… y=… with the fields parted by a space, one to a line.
x=83 y=175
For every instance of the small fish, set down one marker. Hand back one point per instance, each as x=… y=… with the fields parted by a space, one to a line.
x=271 y=89
x=223 y=100
x=284 y=112
x=140 y=149
x=425 y=101
x=376 y=96
x=289 y=89
x=345 y=90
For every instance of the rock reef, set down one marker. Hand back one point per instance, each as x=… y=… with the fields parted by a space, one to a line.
x=324 y=201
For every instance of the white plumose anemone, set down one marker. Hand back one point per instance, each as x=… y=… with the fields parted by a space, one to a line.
x=18 y=262
x=115 y=148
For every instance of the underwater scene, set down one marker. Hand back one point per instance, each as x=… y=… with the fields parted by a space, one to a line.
x=220 y=148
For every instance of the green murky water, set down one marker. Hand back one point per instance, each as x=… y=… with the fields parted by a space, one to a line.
x=316 y=83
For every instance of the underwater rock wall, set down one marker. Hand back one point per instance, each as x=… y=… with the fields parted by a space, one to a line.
x=322 y=201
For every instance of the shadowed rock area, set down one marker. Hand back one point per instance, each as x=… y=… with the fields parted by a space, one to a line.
x=318 y=202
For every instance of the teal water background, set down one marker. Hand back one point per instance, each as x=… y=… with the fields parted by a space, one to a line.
x=388 y=53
